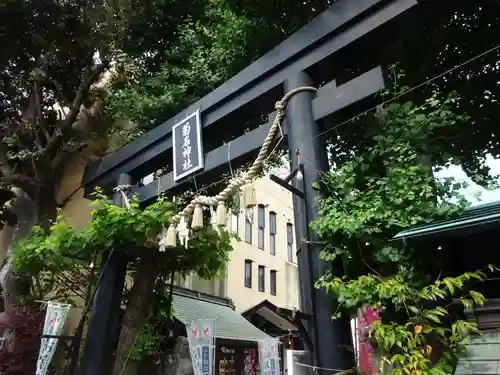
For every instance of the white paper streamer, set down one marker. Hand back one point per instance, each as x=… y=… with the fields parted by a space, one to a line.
x=55 y=317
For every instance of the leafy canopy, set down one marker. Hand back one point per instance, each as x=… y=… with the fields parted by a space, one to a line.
x=387 y=185
x=46 y=257
x=410 y=346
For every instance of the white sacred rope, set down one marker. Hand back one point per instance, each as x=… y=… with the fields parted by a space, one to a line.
x=179 y=222
x=122 y=189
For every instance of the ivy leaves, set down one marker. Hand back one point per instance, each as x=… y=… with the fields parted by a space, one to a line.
x=408 y=345
x=46 y=257
x=387 y=185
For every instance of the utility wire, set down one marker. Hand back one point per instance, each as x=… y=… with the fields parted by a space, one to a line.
x=440 y=75
x=412 y=89
x=337 y=371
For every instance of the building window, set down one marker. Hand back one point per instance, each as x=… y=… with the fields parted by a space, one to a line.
x=248 y=273
x=248 y=229
x=262 y=277
x=272 y=233
x=234 y=221
x=273 y=282
x=262 y=224
x=289 y=240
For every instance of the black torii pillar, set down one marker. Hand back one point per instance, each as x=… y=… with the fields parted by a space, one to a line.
x=329 y=338
x=102 y=333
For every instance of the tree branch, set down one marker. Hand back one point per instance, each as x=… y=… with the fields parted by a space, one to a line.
x=61 y=94
x=89 y=78
x=5 y=167
x=37 y=122
x=10 y=178
x=63 y=155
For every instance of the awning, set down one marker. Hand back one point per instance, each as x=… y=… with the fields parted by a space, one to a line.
x=228 y=323
x=272 y=314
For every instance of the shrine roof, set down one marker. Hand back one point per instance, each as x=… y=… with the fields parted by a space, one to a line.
x=472 y=220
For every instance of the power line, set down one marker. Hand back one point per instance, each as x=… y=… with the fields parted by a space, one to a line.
x=274 y=196
x=412 y=89
x=440 y=75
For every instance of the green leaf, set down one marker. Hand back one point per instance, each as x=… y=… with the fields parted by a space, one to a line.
x=414 y=309
x=466 y=302
x=477 y=297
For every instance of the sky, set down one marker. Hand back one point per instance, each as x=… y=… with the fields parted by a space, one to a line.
x=475 y=193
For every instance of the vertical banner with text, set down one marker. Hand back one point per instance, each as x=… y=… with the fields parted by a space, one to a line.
x=55 y=317
x=188 y=146
x=201 y=344
x=269 y=358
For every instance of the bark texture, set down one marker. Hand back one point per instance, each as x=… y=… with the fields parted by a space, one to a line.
x=137 y=313
x=12 y=286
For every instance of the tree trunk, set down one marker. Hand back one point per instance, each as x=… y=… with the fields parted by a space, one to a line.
x=136 y=314
x=29 y=212
x=46 y=206
x=25 y=210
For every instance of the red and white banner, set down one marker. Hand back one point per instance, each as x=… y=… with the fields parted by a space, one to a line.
x=55 y=317
x=201 y=336
x=269 y=358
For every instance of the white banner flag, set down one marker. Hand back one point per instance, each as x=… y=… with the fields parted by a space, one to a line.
x=269 y=358
x=201 y=344
x=55 y=317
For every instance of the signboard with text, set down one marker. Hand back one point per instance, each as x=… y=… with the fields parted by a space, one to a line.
x=269 y=358
x=187 y=146
x=201 y=344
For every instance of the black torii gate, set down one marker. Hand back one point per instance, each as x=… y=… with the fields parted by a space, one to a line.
x=255 y=89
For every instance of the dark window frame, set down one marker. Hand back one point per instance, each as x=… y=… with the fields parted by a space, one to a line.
x=273 y=282
x=289 y=241
x=272 y=232
x=248 y=230
x=247 y=274
x=262 y=278
x=235 y=215
x=261 y=225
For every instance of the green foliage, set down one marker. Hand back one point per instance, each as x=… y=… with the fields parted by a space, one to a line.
x=48 y=260
x=65 y=249
x=385 y=185
x=153 y=334
x=146 y=345
x=389 y=184
x=219 y=40
x=205 y=55
x=410 y=343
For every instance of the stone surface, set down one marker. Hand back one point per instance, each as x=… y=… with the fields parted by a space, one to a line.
x=180 y=361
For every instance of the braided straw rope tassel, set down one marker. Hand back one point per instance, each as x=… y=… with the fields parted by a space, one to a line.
x=178 y=223
x=122 y=190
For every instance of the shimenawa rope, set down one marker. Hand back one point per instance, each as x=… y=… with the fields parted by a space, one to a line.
x=122 y=189
x=178 y=223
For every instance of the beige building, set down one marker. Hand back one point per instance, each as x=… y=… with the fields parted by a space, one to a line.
x=263 y=264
